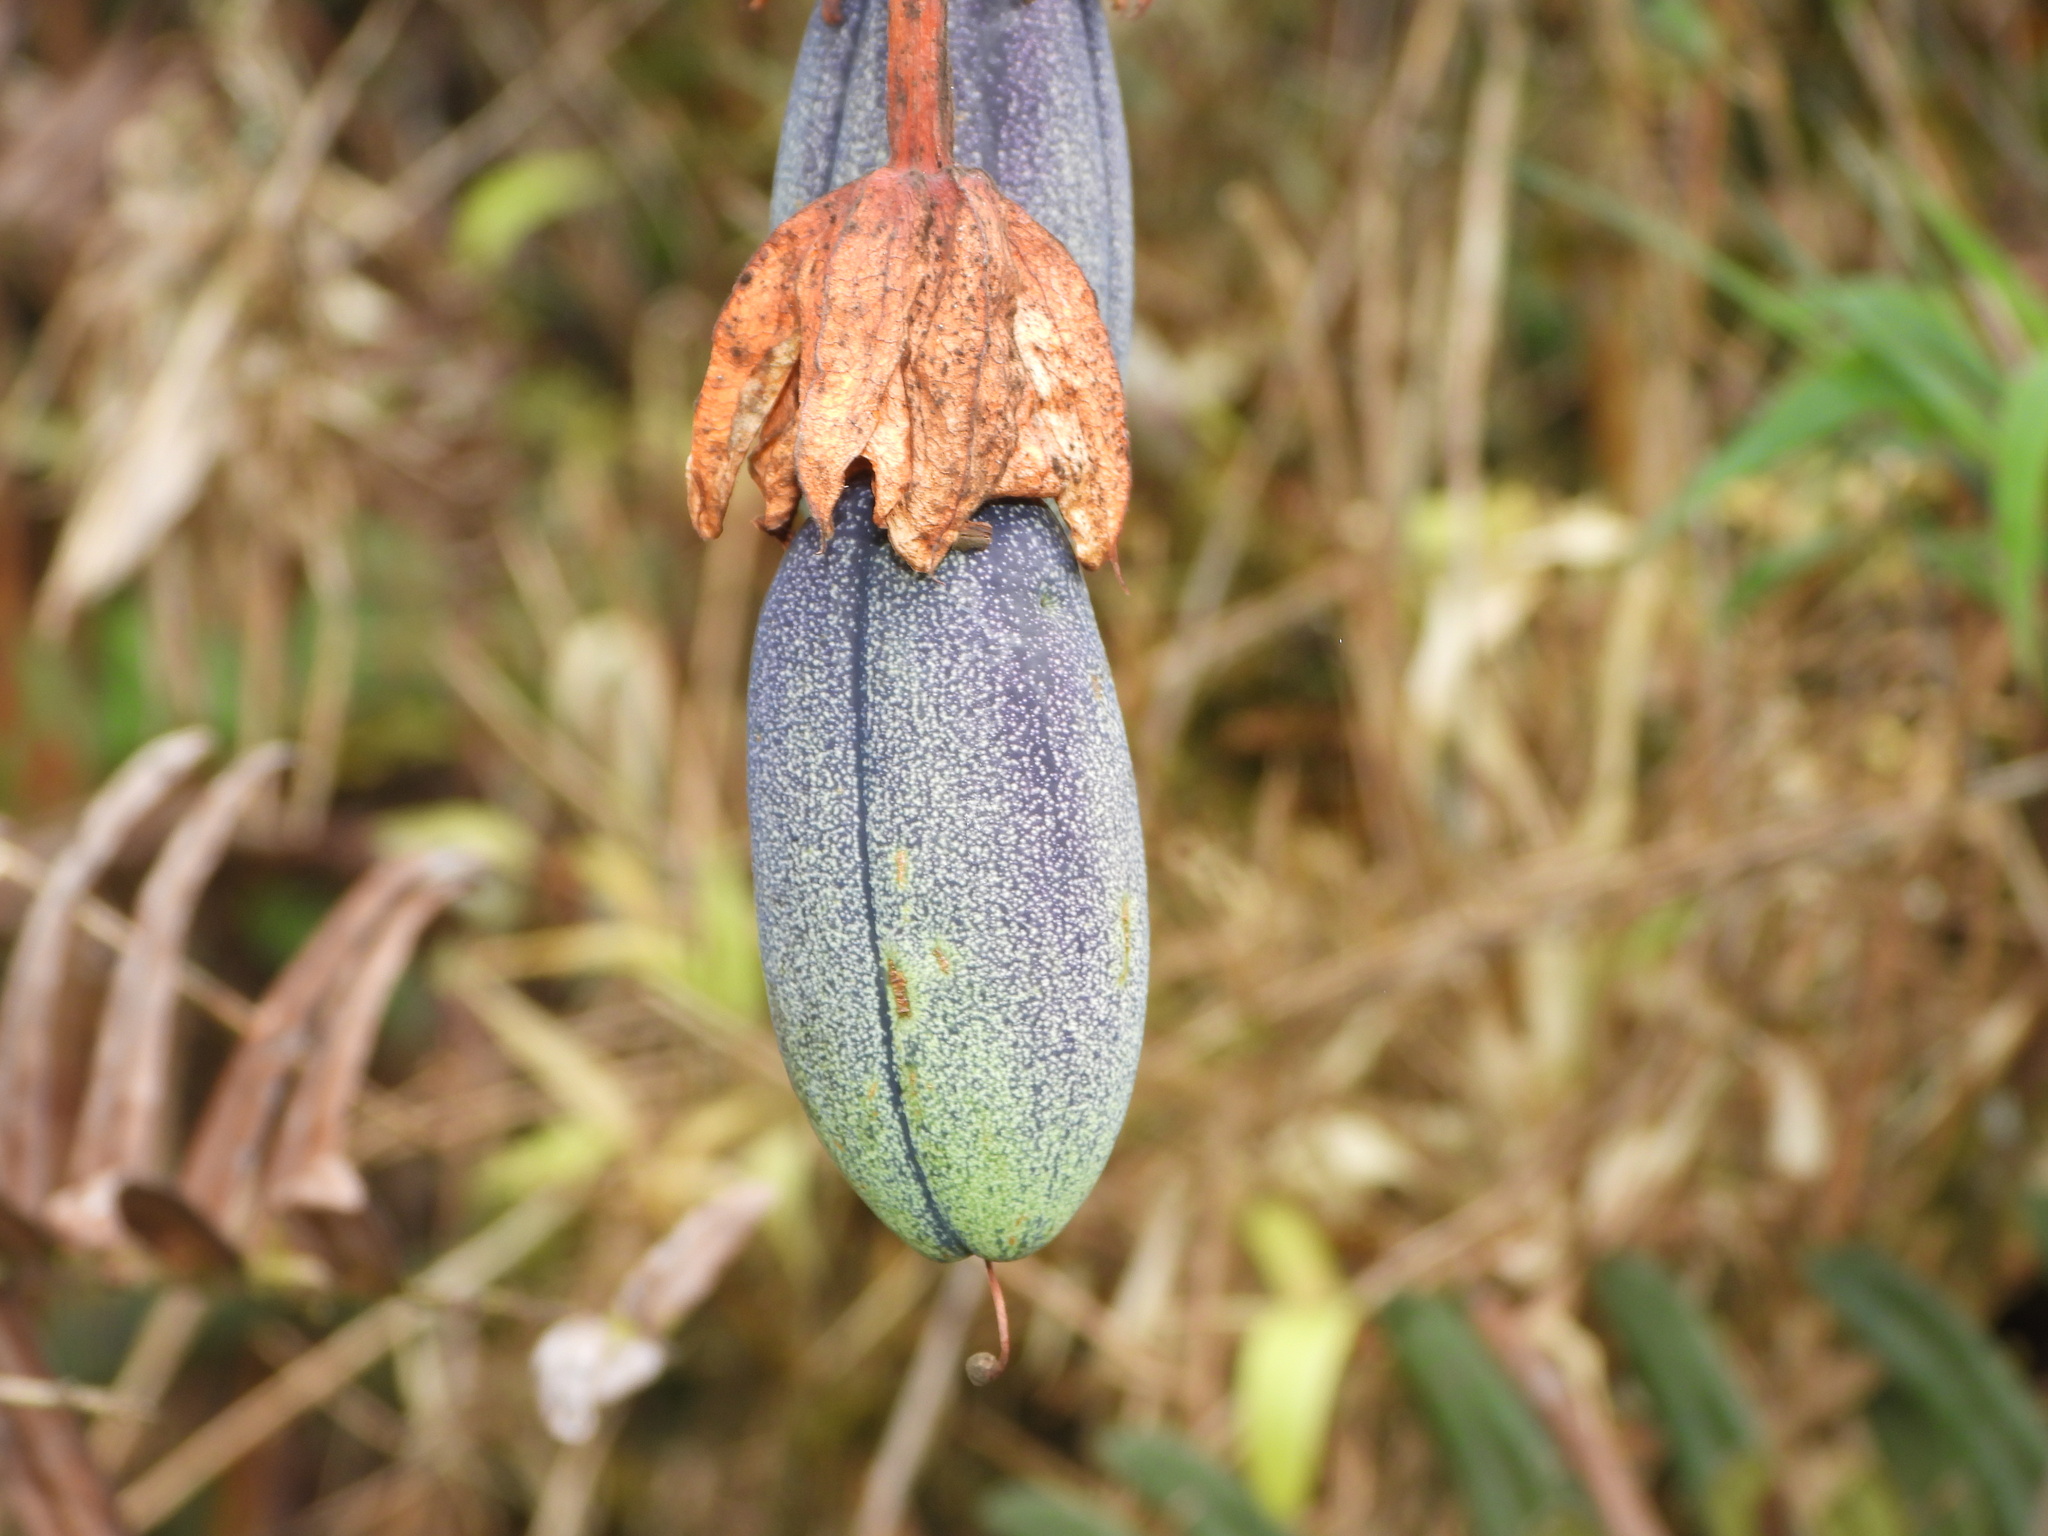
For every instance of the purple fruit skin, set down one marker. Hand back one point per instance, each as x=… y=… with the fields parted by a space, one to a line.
x=949 y=875
x=948 y=862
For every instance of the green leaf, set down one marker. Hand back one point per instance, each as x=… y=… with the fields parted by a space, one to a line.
x=1970 y=249
x=511 y=202
x=1685 y=28
x=1810 y=408
x=1289 y=1367
x=1764 y=300
x=1867 y=1505
x=1921 y=338
x=1769 y=571
x=1290 y=1251
x=561 y=1152
x=1961 y=556
x=1739 y=1504
x=1706 y=1420
x=1950 y=1370
x=1199 y=1497
x=1506 y=1467
x=2037 y=1222
x=1029 y=1509
x=2019 y=509
x=1925 y=1465
x=724 y=956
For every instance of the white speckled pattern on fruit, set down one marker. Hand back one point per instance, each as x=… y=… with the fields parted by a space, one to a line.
x=949 y=874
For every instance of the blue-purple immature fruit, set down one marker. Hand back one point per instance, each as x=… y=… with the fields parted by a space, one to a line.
x=949 y=874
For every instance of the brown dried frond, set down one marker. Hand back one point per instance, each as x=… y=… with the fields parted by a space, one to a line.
x=28 y=1004
x=213 y=1210
x=129 y=1090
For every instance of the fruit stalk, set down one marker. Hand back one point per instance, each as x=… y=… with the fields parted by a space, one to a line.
x=983 y=1368
x=920 y=87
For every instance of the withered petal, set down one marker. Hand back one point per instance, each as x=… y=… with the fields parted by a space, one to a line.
x=922 y=322
x=754 y=348
x=857 y=305
x=1076 y=433
x=773 y=465
x=889 y=453
x=964 y=384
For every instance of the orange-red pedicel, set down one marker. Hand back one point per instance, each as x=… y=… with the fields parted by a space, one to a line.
x=920 y=326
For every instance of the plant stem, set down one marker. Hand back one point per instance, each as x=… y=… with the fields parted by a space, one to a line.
x=920 y=87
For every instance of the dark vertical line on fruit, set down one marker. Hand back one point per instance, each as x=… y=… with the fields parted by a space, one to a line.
x=858 y=511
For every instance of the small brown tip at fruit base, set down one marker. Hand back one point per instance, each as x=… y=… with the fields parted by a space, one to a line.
x=920 y=323
x=983 y=1367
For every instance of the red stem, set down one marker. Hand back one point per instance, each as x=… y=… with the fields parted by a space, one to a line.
x=920 y=87
x=995 y=1290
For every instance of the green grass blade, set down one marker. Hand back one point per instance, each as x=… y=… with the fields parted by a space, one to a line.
x=518 y=198
x=1950 y=1369
x=2036 y=1213
x=1774 y=568
x=1027 y=1509
x=1706 y=1419
x=1508 y=1471
x=1765 y=302
x=1925 y=1466
x=1284 y=1395
x=1920 y=337
x=2019 y=505
x=1868 y=1505
x=1199 y=1496
x=1813 y=406
x=1972 y=251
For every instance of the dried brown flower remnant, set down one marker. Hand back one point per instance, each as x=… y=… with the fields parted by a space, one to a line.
x=919 y=326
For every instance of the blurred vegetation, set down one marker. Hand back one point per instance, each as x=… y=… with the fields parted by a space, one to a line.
x=1582 y=647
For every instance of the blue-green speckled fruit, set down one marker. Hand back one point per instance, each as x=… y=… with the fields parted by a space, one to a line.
x=949 y=875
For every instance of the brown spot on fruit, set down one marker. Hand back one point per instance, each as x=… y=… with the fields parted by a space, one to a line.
x=902 y=869
x=939 y=958
x=899 y=988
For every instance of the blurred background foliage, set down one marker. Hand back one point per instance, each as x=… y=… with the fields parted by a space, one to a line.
x=1582 y=649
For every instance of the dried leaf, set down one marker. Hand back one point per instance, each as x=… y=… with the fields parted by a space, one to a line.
x=918 y=327
x=50 y=1444
x=679 y=1271
x=312 y=1181
x=131 y=1066
x=49 y=175
x=1635 y=1166
x=585 y=1363
x=27 y=1160
x=201 y=1223
x=1799 y=1135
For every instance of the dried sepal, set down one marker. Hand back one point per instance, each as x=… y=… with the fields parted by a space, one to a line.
x=753 y=350
x=918 y=328
x=1075 y=445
